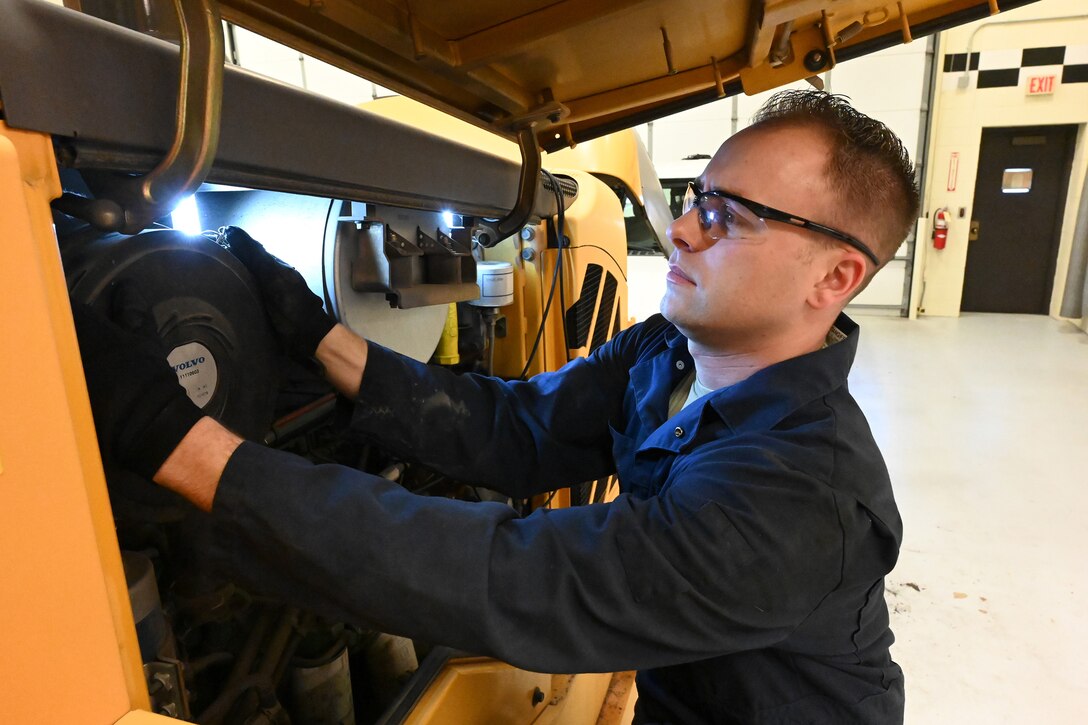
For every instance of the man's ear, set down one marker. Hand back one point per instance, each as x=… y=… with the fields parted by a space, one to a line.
x=843 y=278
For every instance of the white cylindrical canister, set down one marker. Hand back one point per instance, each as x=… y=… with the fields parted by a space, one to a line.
x=496 y=280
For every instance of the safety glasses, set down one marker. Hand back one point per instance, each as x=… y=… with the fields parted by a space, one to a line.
x=728 y=216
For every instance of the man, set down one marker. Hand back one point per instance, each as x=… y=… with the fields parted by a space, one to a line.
x=740 y=570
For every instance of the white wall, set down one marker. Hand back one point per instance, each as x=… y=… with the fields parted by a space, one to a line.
x=700 y=131
x=961 y=114
x=891 y=86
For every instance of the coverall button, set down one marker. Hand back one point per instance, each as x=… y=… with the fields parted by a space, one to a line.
x=679 y=432
x=679 y=364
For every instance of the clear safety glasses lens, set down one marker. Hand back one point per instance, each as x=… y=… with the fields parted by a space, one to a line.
x=723 y=218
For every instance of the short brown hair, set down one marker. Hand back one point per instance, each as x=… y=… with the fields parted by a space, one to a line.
x=868 y=168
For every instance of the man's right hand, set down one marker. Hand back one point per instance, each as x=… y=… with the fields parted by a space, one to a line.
x=297 y=314
x=141 y=411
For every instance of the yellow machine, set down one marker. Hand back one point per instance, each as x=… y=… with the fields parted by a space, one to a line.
x=438 y=243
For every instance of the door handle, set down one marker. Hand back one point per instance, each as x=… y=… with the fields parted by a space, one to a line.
x=972 y=233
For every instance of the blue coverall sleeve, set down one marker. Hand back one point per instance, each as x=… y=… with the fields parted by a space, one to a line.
x=734 y=556
x=519 y=438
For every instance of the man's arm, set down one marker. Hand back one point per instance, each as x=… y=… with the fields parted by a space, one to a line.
x=516 y=438
x=733 y=558
x=194 y=468
x=343 y=354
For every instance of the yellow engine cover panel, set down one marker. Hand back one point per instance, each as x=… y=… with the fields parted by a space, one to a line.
x=482 y=691
x=578 y=69
x=68 y=651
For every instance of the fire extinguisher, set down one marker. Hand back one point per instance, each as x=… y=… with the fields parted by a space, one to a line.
x=940 y=228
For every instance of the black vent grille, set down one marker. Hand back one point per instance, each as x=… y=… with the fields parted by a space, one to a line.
x=604 y=312
x=580 y=314
x=567 y=186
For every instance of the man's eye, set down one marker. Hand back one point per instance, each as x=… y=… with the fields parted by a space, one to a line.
x=727 y=218
x=740 y=219
x=720 y=216
x=710 y=216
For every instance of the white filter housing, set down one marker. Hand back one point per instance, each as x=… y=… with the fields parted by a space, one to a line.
x=496 y=280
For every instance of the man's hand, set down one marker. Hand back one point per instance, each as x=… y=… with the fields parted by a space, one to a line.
x=298 y=315
x=141 y=412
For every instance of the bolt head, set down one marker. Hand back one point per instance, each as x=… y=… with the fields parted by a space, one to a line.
x=815 y=60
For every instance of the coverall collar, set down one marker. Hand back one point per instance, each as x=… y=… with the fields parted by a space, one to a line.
x=761 y=401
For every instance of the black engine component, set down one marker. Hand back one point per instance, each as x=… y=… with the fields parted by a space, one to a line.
x=207 y=310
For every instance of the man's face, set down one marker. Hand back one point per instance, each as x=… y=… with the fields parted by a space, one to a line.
x=730 y=292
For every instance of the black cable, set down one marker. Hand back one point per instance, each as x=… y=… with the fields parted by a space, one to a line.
x=563 y=306
x=489 y=315
x=222 y=704
x=524 y=504
x=540 y=331
x=433 y=480
x=560 y=239
x=561 y=221
x=598 y=246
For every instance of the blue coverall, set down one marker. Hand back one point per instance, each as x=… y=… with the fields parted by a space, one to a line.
x=740 y=570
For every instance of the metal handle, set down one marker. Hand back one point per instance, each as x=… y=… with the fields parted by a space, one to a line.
x=129 y=204
x=527 y=185
x=200 y=100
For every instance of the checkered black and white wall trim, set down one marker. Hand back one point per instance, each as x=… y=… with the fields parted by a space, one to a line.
x=1009 y=68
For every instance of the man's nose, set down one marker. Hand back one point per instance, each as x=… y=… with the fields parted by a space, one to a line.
x=686 y=234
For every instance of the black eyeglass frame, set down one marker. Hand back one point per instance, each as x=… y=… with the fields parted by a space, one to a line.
x=765 y=212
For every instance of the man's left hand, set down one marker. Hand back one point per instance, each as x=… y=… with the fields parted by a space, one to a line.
x=298 y=315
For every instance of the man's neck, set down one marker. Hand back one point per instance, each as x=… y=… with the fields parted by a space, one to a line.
x=718 y=366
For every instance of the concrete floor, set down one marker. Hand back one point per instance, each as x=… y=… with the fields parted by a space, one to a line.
x=983 y=421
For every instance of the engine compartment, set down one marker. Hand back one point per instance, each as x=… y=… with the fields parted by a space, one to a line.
x=398 y=268
x=214 y=651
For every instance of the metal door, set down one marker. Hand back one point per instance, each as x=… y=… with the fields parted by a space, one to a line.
x=1023 y=175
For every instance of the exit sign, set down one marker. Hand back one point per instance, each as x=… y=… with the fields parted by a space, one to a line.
x=1042 y=85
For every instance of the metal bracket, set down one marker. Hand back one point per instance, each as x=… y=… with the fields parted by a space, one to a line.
x=808 y=54
x=129 y=204
x=166 y=688
x=445 y=260
x=552 y=112
x=411 y=273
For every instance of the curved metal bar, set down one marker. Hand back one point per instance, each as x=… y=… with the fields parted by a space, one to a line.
x=200 y=100
x=527 y=186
